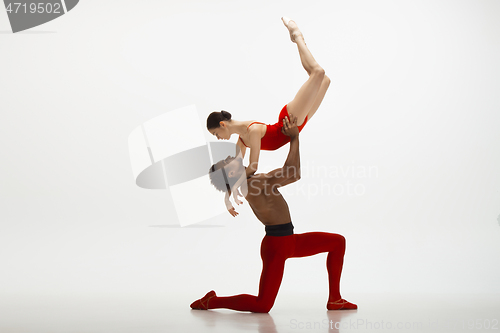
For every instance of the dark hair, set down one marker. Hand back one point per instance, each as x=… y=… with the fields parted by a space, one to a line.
x=214 y=119
x=220 y=179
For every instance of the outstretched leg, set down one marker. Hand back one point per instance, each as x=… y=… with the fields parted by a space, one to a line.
x=270 y=282
x=311 y=94
x=274 y=252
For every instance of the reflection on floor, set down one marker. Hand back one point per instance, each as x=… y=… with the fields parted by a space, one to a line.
x=291 y=313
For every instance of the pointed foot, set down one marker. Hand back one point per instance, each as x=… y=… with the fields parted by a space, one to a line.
x=202 y=303
x=292 y=27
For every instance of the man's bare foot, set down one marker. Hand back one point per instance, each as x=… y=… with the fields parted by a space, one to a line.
x=292 y=28
x=341 y=304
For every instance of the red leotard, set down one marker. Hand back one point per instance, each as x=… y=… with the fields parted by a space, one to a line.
x=274 y=138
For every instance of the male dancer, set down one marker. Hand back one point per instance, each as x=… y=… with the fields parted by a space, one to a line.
x=280 y=243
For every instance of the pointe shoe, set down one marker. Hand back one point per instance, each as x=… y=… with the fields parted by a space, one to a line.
x=341 y=304
x=293 y=33
x=286 y=20
x=202 y=303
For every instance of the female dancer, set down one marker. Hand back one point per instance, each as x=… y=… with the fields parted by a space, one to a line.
x=256 y=135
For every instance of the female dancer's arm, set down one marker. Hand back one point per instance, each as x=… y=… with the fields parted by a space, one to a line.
x=240 y=151
x=255 y=137
x=229 y=206
x=240 y=148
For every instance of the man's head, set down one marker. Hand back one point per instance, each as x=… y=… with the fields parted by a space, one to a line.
x=225 y=173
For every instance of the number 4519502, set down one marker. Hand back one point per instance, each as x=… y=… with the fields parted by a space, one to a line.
x=41 y=7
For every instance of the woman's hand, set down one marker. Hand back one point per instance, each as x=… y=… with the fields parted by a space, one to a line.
x=229 y=206
x=236 y=194
x=290 y=126
x=233 y=212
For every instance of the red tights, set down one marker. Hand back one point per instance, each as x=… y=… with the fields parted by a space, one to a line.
x=274 y=251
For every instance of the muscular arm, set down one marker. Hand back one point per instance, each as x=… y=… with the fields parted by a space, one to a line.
x=290 y=172
x=292 y=163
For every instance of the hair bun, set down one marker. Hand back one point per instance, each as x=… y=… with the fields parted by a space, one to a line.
x=226 y=115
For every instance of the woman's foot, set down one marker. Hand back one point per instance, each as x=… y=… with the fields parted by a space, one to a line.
x=202 y=303
x=292 y=28
x=341 y=304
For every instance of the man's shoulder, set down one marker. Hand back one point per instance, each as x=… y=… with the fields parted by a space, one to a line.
x=259 y=177
x=258 y=180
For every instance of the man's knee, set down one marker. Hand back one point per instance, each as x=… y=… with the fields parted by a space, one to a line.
x=339 y=241
x=263 y=309
x=342 y=239
x=264 y=305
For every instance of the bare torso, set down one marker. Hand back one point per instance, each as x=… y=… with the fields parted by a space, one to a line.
x=266 y=201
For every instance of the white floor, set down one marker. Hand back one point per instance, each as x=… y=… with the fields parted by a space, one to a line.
x=291 y=313
x=414 y=95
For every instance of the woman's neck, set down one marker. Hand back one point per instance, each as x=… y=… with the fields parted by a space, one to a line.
x=237 y=127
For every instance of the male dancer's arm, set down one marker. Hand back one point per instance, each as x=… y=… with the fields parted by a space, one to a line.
x=290 y=172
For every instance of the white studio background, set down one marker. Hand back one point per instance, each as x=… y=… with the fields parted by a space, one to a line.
x=411 y=122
